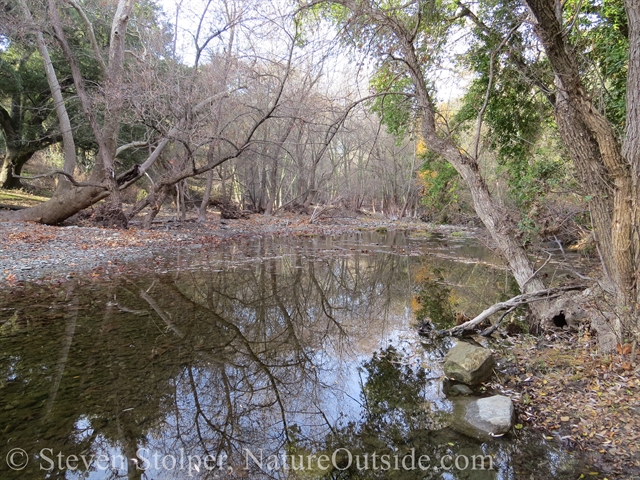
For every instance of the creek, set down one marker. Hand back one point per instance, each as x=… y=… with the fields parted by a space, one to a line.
x=274 y=358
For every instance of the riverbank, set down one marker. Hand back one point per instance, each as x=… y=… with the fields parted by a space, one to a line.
x=34 y=252
x=567 y=390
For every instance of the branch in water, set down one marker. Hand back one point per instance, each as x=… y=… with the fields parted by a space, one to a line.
x=510 y=304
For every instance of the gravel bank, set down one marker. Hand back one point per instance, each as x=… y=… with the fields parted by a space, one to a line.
x=33 y=252
x=39 y=252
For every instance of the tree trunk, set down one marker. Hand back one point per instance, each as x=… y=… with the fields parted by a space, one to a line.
x=202 y=211
x=631 y=151
x=60 y=207
x=495 y=217
x=157 y=199
x=607 y=170
x=12 y=165
x=68 y=143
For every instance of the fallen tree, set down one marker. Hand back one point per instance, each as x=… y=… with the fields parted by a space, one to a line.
x=509 y=306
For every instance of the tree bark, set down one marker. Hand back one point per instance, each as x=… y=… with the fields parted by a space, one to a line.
x=607 y=169
x=12 y=166
x=202 y=211
x=631 y=144
x=69 y=149
x=60 y=207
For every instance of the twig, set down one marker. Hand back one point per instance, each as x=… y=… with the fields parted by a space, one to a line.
x=493 y=328
x=536 y=272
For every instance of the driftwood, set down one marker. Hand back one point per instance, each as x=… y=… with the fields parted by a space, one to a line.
x=508 y=305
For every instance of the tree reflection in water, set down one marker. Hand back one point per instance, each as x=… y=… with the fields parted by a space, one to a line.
x=260 y=356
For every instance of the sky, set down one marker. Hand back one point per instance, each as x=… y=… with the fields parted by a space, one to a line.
x=341 y=70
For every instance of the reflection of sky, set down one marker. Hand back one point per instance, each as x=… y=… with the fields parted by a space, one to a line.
x=327 y=392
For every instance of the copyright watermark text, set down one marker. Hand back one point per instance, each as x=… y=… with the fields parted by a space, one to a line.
x=189 y=465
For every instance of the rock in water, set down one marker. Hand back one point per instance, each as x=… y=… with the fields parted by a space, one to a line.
x=469 y=364
x=461 y=390
x=483 y=418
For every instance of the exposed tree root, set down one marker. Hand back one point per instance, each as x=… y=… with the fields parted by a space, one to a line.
x=106 y=215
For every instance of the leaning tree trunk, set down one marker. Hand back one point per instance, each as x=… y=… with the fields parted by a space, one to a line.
x=68 y=143
x=495 y=217
x=608 y=171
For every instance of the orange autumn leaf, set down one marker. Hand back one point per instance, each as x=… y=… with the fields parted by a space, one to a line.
x=623 y=349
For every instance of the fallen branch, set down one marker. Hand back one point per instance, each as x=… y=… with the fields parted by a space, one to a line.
x=494 y=327
x=5 y=206
x=510 y=304
x=73 y=181
x=322 y=210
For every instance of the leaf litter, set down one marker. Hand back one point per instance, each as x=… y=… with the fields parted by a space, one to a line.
x=565 y=388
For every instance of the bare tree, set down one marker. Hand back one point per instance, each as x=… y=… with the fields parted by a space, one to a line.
x=182 y=113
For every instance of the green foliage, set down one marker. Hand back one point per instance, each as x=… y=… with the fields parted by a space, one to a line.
x=381 y=398
x=519 y=127
x=25 y=99
x=601 y=32
x=394 y=107
x=435 y=302
x=515 y=116
x=439 y=182
x=531 y=181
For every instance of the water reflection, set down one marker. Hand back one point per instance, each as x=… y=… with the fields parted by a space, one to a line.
x=403 y=433
x=238 y=359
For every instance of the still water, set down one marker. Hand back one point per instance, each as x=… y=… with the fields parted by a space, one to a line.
x=276 y=358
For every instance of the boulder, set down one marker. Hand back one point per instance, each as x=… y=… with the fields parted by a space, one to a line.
x=483 y=418
x=469 y=364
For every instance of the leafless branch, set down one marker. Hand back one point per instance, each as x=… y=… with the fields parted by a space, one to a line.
x=127 y=146
x=73 y=181
x=92 y=37
x=523 y=299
